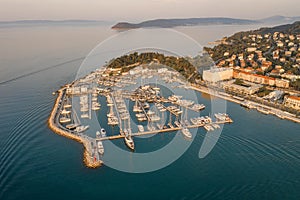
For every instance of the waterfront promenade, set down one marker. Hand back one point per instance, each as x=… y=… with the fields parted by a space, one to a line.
x=274 y=111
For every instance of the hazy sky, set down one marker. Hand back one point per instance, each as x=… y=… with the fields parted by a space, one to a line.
x=136 y=10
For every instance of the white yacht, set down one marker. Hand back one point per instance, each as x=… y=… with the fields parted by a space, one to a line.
x=71 y=126
x=103 y=132
x=100 y=147
x=208 y=127
x=198 y=107
x=177 y=124
x=85 y=116
x=80 y=129
x=155 y=118
x=97 y=134
x=186 y=133
x=65 y=112
x=141 y=128
x=64 y=120
x=129 y=142
x=216 y=126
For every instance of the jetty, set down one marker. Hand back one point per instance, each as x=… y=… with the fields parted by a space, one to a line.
x=55 y=126
x=150 y=109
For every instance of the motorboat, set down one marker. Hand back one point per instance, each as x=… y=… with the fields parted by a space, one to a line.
x=141 y=128
x=80 y=129
x=64 y=120
x=186 y=133
x=103 y=132
x=129 y=142
x=98 y=134
x=100 y=147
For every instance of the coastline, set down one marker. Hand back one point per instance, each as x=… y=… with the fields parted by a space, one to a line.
x=273 y=111
x=87 y=158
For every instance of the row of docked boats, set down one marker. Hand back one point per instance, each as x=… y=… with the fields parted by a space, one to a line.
x=247 y=104
x=175 y=110
x=223 y=117
x=211 y=127
x=201 y=120
x=101 y=133
x=112 y=120
x=263 y=110
x=175 y=99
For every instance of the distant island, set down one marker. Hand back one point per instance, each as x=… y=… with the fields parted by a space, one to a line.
x=170 y=23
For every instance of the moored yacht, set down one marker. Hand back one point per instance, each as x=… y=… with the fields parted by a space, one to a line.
x=186 y=132
x=80 y=129
x=141 y=128
x=103 y=132
x=129 y=142
x=64 y=120
x=100 y=147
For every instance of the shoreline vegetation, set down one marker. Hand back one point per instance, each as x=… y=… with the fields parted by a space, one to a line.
x=124 y=64
x=185 y=66
x=170 y=23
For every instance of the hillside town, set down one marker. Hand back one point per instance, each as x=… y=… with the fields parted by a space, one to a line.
x=263 y=67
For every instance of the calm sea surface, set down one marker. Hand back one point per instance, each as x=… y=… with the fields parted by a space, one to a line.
x=256 y=157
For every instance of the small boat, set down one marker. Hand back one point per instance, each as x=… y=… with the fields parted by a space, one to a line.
x=85 y=116
x=65 y=112
x=97 y=134
x=208 y=127
x=80 y=129
x=177 y=124
x=150 y=112
x=216 y=126
x=103 y=132
x=142 y=119
x=186 y=133
x=263 y=110
x=129 y=142
x=136 y=108
x=67 y=106
x=64 y=120
x=141 y=128
x=198 y=107
x=71 y=126
x=100 y=147
x=155 y=118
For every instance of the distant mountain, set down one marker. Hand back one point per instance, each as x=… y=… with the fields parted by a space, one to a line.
x=169 y=23
x=278 y=19
x=52 y=22
x=287 y=28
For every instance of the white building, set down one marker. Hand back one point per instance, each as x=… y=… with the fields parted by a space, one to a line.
x=217 y=74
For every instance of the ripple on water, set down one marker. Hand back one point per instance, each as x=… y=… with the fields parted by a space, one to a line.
x=22 y=138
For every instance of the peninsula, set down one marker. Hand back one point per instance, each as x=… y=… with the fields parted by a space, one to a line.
x=170 y=23
x=154 y=112
x=256 y=69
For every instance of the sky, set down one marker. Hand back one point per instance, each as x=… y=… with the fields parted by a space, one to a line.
x=138 y=10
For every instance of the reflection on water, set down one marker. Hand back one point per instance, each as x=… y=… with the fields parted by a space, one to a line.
x=257 y=156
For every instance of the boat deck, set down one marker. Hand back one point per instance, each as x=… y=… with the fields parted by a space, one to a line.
x=158 y=131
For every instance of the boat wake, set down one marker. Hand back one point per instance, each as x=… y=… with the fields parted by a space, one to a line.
x=40 y=70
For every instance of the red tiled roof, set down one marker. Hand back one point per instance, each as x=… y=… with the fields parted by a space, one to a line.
x=294 y=98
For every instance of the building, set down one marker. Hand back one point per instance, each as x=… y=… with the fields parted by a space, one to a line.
x=292 y=102
x=217 y=74
x=260 y=79
x=247 y=88
x=251 y=49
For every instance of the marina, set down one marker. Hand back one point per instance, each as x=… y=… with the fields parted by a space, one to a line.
x=154 y=112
